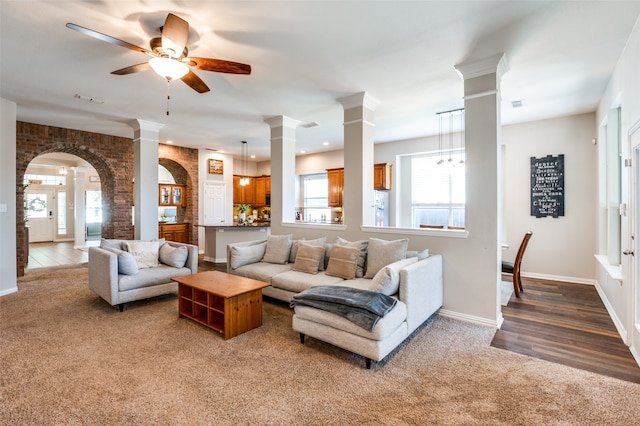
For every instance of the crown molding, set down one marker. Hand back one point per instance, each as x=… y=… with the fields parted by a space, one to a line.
x=496 y=64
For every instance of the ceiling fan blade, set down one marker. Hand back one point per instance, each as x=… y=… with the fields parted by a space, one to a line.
x=174 y=35
x=109 y=39
x=133 y=68
x=195 y=82
x=219 y=65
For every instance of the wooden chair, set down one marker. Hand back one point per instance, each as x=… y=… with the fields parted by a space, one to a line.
x=431 y=226
x=514 y=268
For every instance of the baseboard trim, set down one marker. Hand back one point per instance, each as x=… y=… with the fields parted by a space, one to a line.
x=473 y=319
x=574 y=280
x=622 y=330
x=9 y=291
x=214 y=260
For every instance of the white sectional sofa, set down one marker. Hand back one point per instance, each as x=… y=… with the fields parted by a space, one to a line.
x=119 y=276
x=413 y=278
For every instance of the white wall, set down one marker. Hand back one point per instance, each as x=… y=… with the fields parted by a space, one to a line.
x=561 y=248
x=620 y=297
x=8 y=268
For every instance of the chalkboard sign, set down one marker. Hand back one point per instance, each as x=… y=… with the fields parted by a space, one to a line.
x=547 y=186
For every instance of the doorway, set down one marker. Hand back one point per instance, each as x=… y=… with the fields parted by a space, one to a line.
x=39 y=208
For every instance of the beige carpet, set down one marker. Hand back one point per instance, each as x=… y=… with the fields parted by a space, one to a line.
x=67 y=358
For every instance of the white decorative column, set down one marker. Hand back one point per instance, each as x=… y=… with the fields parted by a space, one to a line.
x=357 y=196
x=145 y=146
x=79 y=206
x=283 y=168
x=483 y=180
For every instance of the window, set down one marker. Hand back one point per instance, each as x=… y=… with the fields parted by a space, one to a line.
x=45 y=179
x=62 y=213
x=438 y=190
x=315 y=195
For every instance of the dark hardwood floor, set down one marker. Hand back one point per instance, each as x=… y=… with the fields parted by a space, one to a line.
x=568 y=324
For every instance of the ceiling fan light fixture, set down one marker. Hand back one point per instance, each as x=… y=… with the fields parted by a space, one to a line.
x=168 y=68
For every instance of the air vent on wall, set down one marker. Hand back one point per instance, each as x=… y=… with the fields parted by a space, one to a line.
x=517 y=104
x=308 y=125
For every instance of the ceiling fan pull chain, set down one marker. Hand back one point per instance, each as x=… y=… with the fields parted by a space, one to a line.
x=168 y=94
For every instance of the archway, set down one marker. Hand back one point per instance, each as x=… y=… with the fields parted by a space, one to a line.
x=110 y=156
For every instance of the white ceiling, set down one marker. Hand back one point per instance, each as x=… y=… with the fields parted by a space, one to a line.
x=304 y=55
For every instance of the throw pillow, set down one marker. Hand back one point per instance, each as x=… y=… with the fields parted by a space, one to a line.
x=278 y=249
x=382 y=253
x=419 y=254
x=126 y=263
x=244 y=255
x=110 y=244
x=144 y=252
x=294 y=251
x=173 y=256
x=362 y=256
x=387 y=279
x=318 y=242
x=343 y=262
x=308 y=258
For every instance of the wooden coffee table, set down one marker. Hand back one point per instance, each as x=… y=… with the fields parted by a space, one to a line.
x=228 y=304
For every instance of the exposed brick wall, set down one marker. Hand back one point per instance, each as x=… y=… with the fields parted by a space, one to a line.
x=113 y=159
x=182 y=163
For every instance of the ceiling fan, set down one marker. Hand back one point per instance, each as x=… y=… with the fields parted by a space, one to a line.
x=169 y=55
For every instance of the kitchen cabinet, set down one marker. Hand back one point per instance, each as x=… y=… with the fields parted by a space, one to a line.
x=178 y=232
x=382 y=176
x=172 y=195
x=243 y=194
x=335 y=179
x=262 y=188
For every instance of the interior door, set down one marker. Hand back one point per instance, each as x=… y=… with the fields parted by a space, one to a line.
x=633 y=251
x=40 y=206
x=214 y=203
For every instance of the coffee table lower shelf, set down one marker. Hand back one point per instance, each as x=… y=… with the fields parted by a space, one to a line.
x=230 y=313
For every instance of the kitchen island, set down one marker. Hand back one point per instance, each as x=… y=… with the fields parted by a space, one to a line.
x=216 y=238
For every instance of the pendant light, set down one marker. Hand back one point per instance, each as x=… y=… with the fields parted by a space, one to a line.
x=450 y=130
x=244 y=180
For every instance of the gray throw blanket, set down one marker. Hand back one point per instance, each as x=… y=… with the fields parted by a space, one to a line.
x=362 y=307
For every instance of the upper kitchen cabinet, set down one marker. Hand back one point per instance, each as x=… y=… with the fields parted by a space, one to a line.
x=382 y=176
x=172 y=195
x=243 y=194
x=262 y=188
x=335 y=179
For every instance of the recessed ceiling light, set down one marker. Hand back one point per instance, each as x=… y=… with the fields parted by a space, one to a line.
x=303 y=151
x=253 y=156
x=170 y=142
x=325 y=143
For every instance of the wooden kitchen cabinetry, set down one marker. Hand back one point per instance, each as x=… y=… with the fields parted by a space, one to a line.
x=262 y=188
x=382 y=176
x=254 y=194
x=243 y=194
x=178 y=232
x=335 y=179
x=172 y=195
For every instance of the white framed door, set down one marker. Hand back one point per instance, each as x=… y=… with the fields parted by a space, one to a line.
x=40 y=207
x=634 y=247
x=214 y=203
